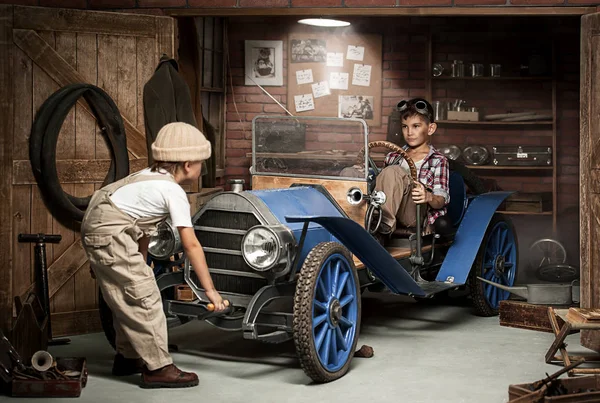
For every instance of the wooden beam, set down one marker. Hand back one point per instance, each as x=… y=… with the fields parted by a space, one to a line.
x=82 y=21
x=381 y=11
x=63 y=73
x=6 y=152
x=77 y=322
x=63 y=268
x=72 y=171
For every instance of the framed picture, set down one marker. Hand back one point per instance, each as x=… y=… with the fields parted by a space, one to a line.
x=264 y=63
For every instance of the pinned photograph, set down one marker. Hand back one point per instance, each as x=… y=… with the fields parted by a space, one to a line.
x=309 y=51
x=264 y=62
x=355 y=106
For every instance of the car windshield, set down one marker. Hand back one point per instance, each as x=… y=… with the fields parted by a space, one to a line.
x=309 y=147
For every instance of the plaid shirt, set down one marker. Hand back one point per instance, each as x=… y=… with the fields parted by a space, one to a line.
x=434 y=174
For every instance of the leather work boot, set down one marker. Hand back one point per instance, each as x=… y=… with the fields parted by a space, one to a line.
x=168 y=377
x=127 y=366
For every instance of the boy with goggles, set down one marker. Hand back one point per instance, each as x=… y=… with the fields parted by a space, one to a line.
x=431 y=190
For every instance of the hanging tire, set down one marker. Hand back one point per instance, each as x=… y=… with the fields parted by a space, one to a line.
x=496 y=261
x=327 y=311
x=107 y=322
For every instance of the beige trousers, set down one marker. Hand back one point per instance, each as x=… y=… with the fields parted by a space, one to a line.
x=110 y=238
x=399 y=209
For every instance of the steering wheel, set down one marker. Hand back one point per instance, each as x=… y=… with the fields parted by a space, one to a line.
x=372 y=209
x=392 y=147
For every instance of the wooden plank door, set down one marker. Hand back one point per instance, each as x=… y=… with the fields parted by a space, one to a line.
x=43 y=49
x=590 y=170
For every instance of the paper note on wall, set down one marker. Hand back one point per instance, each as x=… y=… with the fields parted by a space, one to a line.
x=335 y=59
x=304 y=76
x=362 y=75
x=304 y=102
x=338 y=81
x=355 y=53
x=320 y=89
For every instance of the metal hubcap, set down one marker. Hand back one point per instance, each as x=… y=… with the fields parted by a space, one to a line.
x=335 y=311
x=499 y=265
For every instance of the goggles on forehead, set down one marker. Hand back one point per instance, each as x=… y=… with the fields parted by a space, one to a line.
x=420 y=106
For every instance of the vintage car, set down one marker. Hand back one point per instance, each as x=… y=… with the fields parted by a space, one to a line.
x=293 y=254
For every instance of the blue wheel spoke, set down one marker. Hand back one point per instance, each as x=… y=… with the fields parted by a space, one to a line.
x=340 y=338
x=504 y=279
x=320 y=305
x=336 y=275
x=489 y=275
x=320 y=337
x=319 y=319
x=346 y=322
x=327 y=279
x=334 y=348
x=321 y=288
x=507 y=249
x=508 y=265
x=343 y=279
x=326 y=346
x=488 y=291
x=346 y=300
x=494 y=296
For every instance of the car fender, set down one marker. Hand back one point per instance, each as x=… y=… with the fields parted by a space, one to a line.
x=467 y=241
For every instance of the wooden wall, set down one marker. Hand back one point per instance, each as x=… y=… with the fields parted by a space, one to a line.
x=47 y=49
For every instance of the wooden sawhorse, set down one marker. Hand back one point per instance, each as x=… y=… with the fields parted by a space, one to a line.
x=561 y=333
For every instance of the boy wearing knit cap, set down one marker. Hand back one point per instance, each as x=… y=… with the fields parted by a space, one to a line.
x=115 y=231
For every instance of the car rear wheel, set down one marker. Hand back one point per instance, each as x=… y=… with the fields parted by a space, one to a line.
x=496 y=261
x=327 y=311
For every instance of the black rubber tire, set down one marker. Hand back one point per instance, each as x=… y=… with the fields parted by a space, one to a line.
x=473 y=182
x=44 y=136
x=564 y=273
x=106 y=320
x=302 y=322
x=476 y=290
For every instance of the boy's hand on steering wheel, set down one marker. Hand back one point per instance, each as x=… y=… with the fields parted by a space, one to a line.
x=420 y=195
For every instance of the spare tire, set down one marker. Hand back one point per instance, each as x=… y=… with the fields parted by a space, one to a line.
x=473 y=182
x=44 y=135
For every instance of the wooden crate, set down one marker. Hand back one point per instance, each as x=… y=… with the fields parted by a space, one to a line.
x=523 y=315
x=184 y=293
x=197 y=200
x=529 y=202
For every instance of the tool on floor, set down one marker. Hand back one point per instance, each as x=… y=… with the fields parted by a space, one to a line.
x=41 y=269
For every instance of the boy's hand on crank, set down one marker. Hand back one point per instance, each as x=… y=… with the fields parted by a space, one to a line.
x=420 y=195
x=216 y=300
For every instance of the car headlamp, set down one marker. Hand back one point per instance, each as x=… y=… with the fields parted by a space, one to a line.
x=263 y=248
x=165 y=242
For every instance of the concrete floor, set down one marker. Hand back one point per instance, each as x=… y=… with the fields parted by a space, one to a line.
x=424 y=352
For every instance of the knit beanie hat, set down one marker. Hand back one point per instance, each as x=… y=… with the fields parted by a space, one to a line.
x=180 y=142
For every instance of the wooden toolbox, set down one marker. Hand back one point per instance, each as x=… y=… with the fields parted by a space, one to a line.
x=579 y=389
x=529 y=202
x=522 y=155
x=54 y=387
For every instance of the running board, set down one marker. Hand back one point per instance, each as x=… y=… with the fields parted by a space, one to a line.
x=430 y=288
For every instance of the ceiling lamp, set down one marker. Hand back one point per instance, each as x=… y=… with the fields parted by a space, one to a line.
x=324 y=22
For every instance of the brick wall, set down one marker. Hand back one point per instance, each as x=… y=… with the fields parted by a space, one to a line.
x=163 y=4
x=404 y=64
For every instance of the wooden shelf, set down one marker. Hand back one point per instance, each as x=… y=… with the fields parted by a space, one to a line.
x=494 y=78
x=524 y=212
x=495 y=123
x=510 y=168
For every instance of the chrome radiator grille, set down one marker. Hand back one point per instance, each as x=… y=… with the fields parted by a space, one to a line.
x=220 y=233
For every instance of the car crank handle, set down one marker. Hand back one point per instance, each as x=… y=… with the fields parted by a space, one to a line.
x=211 y=307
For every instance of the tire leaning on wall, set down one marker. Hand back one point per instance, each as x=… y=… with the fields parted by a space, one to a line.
x=44 y=136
